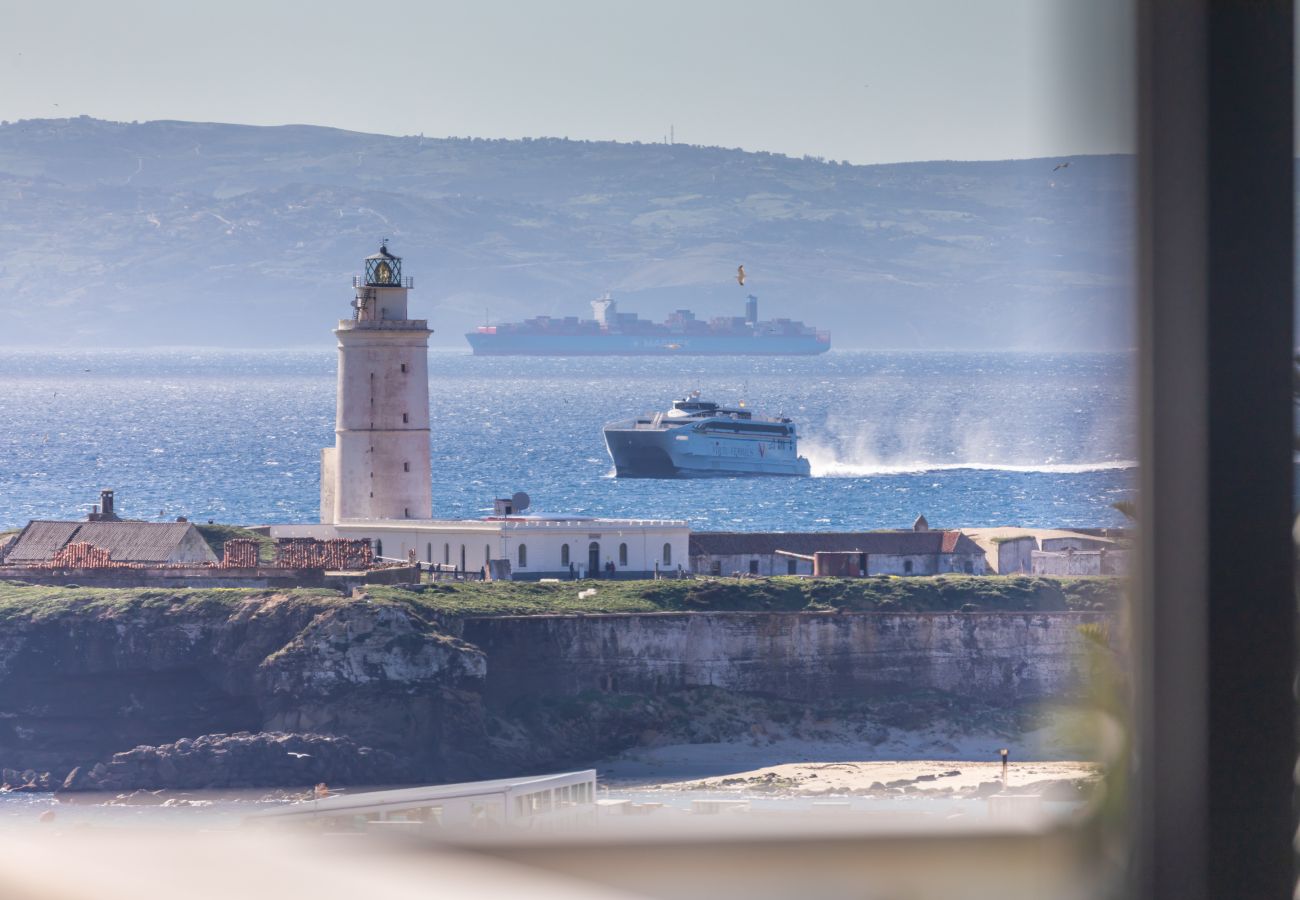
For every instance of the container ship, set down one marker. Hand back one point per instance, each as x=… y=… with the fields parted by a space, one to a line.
x=614 y=333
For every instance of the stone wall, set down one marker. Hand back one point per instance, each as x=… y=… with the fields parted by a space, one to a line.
x=800 y=656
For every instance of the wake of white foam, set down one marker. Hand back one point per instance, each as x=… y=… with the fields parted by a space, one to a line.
x=823 y=467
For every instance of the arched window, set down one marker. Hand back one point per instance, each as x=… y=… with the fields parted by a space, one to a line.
x=668 y=554
x=907 y=567
x=564 y=555
x=593 y=559
x=379 y=547
x=622 y=554
x=523 y=556
x=446 y=554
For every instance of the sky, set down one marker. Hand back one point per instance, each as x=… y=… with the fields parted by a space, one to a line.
x=865 y=81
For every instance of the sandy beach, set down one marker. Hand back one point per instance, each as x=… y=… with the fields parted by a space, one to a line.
x=1057 y=779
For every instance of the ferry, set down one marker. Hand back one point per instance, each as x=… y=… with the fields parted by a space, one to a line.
x=699 y=438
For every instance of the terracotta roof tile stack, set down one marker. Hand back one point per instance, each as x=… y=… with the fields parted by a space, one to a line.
x=336 y=554
x=81 y=556
x=239 y=553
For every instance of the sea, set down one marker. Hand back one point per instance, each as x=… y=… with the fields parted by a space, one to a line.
x=234 y=436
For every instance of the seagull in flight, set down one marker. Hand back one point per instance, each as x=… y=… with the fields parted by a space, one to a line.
x=1064 y=165
x=740 y=275
x=299 y=755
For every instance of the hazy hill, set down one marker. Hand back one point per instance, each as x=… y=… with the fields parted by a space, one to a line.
x=192 y=233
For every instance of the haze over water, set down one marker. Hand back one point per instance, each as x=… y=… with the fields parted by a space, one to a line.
x=967 y=439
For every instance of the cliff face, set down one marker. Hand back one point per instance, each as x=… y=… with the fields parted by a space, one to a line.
x=80 y=681
x=1005 y=657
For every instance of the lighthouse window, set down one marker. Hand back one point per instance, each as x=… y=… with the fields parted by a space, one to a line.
x=564 y=554
x=668 y=554
x=622 y=554
x=523 y=556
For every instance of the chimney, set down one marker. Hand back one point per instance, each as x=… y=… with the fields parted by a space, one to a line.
x=106 y=506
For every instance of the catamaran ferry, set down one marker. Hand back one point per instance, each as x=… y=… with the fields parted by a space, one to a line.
x=697 y=437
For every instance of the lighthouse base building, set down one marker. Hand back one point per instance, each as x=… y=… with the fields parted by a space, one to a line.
x=377 y=480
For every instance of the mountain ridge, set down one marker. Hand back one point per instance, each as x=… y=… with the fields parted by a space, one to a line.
x=119 y=234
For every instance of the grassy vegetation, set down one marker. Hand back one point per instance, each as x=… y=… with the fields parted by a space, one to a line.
x=39 y=602
x=217 y=535
x=940 y=594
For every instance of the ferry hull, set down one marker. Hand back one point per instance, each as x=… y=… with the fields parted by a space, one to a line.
x=661 y=454
x=643 y=345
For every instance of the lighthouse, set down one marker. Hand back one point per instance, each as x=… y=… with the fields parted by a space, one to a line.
x=379 y=465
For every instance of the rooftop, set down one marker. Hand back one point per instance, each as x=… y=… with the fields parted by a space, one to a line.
x=892 y=543
x=143 y=542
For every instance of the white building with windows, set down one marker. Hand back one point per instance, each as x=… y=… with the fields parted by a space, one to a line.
x=536 y=546
x=376 y=481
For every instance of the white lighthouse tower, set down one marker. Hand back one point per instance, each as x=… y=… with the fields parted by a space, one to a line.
x=379 y=465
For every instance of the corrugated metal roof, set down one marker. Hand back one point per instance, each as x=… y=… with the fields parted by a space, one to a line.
x=889 y=543
x=125 y=541
x=135 y=541
x=39 y=541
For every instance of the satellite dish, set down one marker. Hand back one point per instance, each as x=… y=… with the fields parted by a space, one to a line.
x=519 y=501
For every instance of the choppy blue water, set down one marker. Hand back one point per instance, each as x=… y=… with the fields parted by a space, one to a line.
x=967 y=439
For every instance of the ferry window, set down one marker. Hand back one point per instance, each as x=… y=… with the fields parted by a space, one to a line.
x=622 y=554
x=668 y=554
x=564 y=555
